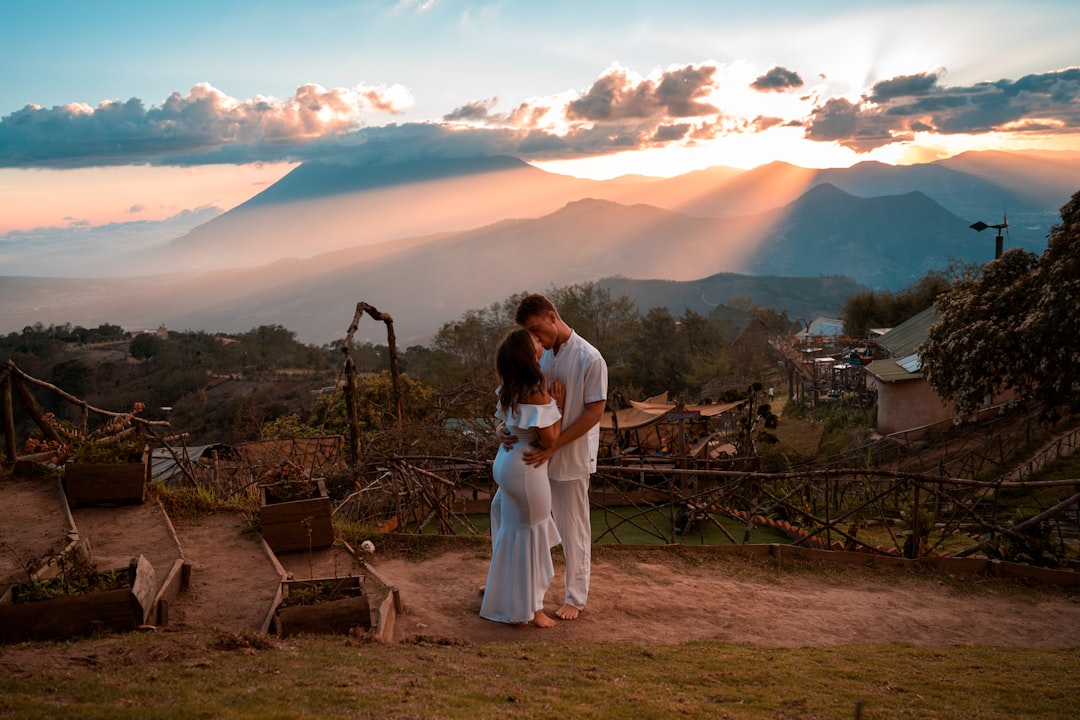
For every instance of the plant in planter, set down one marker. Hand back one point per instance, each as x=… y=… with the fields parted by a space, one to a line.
x=106 y=466
x=294 y=510
x=323 y=605
x=78 y=601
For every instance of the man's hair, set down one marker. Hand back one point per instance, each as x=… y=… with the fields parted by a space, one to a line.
x=533 y=305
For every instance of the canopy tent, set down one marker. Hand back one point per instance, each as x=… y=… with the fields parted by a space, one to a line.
x=654 y=425
x=656 y=410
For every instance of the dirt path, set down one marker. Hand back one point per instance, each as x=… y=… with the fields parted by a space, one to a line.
x=233 y=582
x=637 y=596
x=118 y=534
x=33 y=526
x=660 y=598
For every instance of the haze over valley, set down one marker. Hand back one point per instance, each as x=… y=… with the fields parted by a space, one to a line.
x=427 y=241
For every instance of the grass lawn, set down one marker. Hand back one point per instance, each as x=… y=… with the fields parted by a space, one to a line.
x=647 y=526
x=203 y=674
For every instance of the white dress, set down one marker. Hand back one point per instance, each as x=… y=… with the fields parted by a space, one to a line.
x=521 y=568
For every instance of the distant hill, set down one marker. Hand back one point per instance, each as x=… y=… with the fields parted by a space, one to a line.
x=427 y=240
x=884 y=242
x=324 y=207
x=800 y=297
x=880 y=242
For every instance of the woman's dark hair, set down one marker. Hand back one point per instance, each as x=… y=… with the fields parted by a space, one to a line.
x=519 y=372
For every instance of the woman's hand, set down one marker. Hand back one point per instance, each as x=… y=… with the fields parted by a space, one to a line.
x=558 y=393
x=506 y=438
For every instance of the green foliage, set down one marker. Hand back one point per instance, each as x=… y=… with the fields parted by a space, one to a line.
x=320 y=591
x=1033 y=546
x=376 y=405
x=870 y=309
x=72 y=376
x=127 y=450
x=608 y=323
x=144 y=346
x=286 y=482
x=194 y=502
x=286 y=427
x=1014 y=328
x=473 y=338
x=76 y=577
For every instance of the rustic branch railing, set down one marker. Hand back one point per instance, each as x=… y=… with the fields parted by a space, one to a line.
x=866 y=509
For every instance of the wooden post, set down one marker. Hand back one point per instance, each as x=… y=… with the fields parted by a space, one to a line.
x=391 y=341
x=361 y=308
x=11 y=448
x=351 y=412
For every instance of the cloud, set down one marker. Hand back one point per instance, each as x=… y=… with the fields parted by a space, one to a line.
x=777 y=79
x=620 y=110
x=893 y=110
x=474 y=111
x=675 y=94
x=903 y=86
x=205 y=120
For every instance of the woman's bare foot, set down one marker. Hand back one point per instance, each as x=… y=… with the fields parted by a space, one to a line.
x=568 y=612
x=541 y=620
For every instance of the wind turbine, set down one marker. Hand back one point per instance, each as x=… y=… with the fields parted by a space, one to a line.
x=1003 y=225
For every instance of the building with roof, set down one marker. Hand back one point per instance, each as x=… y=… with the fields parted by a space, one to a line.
x=905 y=400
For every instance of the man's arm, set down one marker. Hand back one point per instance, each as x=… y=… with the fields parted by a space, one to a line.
x=537 y=456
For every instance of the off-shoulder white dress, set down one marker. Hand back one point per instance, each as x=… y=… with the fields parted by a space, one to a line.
x=524 y=532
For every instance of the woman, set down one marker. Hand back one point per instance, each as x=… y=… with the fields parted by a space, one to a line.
x=522 y=527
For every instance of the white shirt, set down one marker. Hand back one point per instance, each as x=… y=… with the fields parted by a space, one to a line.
x=582 y=371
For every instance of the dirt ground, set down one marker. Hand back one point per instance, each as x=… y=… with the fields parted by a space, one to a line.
x=655 y=597
x=641 y=596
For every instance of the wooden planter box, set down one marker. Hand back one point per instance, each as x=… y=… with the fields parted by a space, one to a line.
x=105 y=610
x=283 y=523
x=348 y=608
x=105 y=483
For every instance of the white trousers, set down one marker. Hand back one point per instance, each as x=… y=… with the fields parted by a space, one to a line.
x=570 y=509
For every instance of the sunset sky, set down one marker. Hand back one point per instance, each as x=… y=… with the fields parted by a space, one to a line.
x=130 y=114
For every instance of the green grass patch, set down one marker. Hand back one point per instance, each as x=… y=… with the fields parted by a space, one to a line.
x=198 y=674
x=631 y=525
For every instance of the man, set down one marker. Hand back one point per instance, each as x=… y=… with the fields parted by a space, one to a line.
x=581 y=369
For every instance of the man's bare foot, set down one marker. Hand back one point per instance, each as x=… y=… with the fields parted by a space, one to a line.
x=568 y=612
x=483 y=589
x=541 y=620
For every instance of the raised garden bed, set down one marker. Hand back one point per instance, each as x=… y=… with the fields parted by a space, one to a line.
x=67 y=606
x=88 y=484
x=296 y=524
x=323 y=605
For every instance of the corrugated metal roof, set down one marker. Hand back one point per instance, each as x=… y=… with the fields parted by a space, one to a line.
x=891 y=371
x=905 y=338
x=823 y=326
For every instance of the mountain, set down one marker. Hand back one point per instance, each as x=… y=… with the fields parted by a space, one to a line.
x=426 y=281
x=800 y=297
x=426 y=241
x=1030 y=187
x=885 y=242
x=323 y=207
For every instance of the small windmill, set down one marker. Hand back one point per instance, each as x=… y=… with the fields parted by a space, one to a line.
x=1003 y=225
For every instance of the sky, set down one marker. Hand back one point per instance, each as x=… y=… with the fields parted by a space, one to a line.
x=133 y=118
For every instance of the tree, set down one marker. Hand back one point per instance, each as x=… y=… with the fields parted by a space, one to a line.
x=870 y=309
x=144 y=346
x=609 y=324
x=1014 y=328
